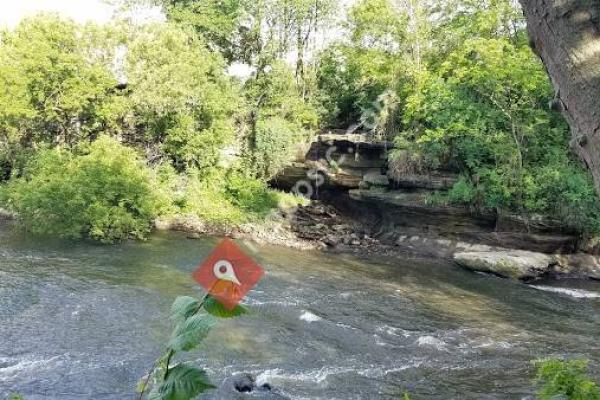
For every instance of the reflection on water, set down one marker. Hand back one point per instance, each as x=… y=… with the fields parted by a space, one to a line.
x=82 y=321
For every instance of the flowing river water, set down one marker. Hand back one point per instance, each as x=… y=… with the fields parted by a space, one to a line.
x=83 y=321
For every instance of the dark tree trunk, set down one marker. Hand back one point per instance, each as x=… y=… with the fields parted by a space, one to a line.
x=566 y=35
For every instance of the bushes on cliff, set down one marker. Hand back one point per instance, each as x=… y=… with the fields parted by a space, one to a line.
x=103 y=191
x=457 y=87
x=485 y=110
x=484 y=114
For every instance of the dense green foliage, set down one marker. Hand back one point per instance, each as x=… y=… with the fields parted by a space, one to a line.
x=215 y=20
x=180 y=104
x=49 y=92
x=57 y=89
x=163 y=96
x=353 y=74
x=457 y=88
x=452 y=83
x=484 y=114
x=225 y=198
x=280 y=120
x=567 y=380
x=255 y=32
x=279 y=107
x=102 y=191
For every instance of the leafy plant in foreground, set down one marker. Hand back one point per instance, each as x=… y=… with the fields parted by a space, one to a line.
x=193 y=320
x=565 y=380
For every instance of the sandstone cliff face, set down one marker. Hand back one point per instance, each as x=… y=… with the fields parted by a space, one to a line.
x=343 y=161
x=351 y=173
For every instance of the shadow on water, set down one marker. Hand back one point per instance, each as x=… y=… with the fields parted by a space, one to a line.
x=79 y=320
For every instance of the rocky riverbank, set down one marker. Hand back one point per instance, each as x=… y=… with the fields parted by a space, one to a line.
x=321 y=226
x=326 y=225
x=276 y=230
x=367 y=208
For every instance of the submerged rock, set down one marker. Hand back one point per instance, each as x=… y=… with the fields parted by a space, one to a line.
x=514 y=264
x=431 y=343
x=577 y=265
x=244 y=386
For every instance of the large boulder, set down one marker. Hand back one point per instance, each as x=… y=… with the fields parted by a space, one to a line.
x=514 y=264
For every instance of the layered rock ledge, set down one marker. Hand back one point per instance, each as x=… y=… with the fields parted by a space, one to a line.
x=362 y=205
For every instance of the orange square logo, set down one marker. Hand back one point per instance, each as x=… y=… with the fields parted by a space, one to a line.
x=228 y=274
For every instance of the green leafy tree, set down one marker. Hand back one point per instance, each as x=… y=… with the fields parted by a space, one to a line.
x=377 y=24
x=488 y=91
x=254 y=32
x=278 y=108
x=59 y=86
x=452 y=22
x=391 y=44
x=474 y=111
x=356 y=76
x=50 y=92
x=180 y=97
x=279 y=120
x=483 y=113
x=218 y=22
x=307 y=17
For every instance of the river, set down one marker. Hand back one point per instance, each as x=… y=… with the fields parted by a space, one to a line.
x=83 y=321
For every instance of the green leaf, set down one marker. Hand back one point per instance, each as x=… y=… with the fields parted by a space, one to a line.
x=183 y=307
x=189 y=333
x=142 y=385
x=215 y=308
x=184 y=383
